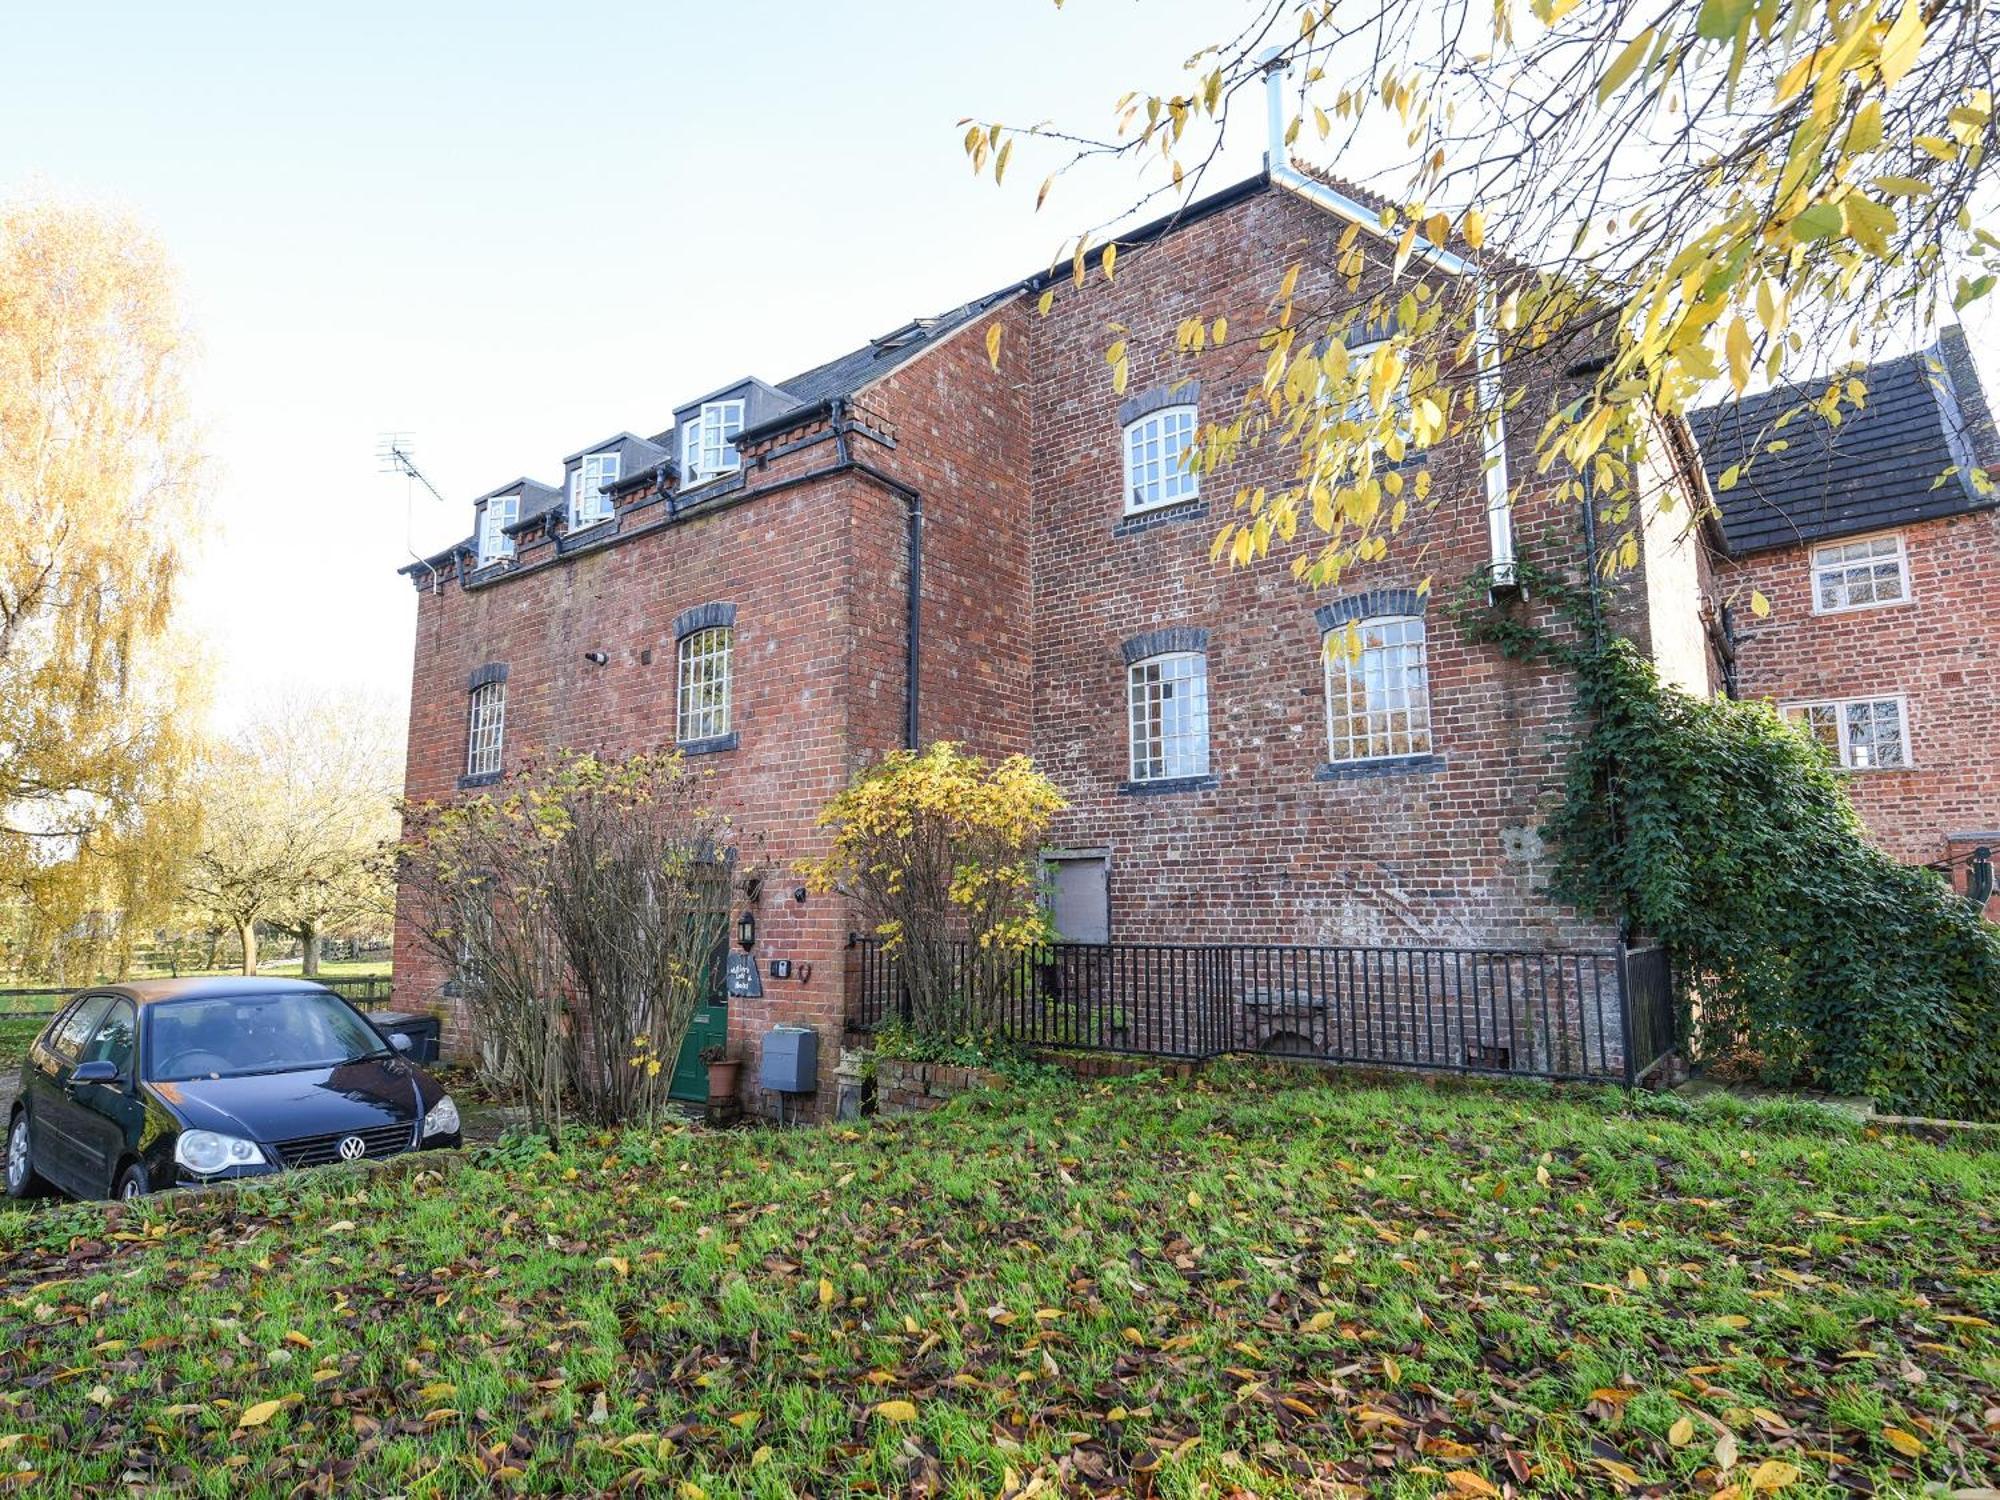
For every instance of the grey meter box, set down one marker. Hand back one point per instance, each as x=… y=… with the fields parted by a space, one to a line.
x=791 y=1060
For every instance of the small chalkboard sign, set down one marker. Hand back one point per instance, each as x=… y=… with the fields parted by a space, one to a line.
x=739 y=977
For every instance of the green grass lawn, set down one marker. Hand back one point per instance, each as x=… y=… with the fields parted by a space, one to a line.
x=1255 y=1284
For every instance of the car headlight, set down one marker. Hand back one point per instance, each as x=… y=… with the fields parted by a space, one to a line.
x=442 y=1118
x=204 y=1152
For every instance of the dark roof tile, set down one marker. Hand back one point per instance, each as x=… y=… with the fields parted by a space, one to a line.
x=1883 y=465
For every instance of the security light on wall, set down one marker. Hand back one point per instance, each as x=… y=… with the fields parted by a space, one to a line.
x=597 y=658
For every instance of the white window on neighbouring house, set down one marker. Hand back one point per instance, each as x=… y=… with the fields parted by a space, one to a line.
x=487 y=724
x=1378 y=699
x=1167 y=697
x=1857 y=574
x=1862 y=734
x=708 y=447
x=1156 y=459
x=588 y=504
x=703 y=698
x=495 y=517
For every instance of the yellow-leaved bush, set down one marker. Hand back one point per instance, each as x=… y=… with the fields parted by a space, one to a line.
x=941 y=852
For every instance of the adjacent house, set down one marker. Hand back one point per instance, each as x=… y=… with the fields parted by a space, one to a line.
x=1879 y=553
x=940 y=535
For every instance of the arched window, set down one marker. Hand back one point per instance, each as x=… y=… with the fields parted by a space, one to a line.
x=703 y=697
x=1156 y=447
x=486 y=728
x=1378 y=701
x=1167 y=696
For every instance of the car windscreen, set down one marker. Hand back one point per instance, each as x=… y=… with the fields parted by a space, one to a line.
x=242 y=1034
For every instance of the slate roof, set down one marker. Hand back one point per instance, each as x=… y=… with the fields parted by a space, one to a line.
x=1877 y=469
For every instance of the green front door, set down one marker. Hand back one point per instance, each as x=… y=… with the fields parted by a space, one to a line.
x=709 y=1028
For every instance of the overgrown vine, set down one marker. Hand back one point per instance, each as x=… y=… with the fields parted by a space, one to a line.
x=1802 y=951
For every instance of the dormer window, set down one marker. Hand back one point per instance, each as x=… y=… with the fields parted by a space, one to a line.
x=588 y=504
x=708 y=448
x=495 y=516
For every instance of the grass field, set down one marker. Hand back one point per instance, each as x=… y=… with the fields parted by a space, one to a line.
x=1250 y=1285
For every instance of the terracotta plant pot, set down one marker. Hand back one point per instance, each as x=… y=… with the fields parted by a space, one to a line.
x=722 y=1077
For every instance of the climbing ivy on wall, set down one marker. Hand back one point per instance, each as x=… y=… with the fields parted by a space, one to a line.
x=1802 y=951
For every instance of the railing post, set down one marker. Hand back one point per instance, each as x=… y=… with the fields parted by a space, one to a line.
x=1625 y=1008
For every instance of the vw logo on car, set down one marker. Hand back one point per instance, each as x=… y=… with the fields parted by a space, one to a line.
x=177 y=1082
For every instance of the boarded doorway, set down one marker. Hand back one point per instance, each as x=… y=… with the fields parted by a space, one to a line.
x=1080 y=894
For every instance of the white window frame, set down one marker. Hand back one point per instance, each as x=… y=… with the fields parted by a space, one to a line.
x=1412 y=700
x=1182 y=745
x=495 y=516
x=1165 y=473
x=1360 y=409
x=704 y=684
x=1823 y=567
x=586 y=487
x=708 y=449
x=1800 y=712
x=486 y=729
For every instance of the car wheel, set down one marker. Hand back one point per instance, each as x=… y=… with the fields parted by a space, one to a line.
x=133 y=1182
x=22 y=1179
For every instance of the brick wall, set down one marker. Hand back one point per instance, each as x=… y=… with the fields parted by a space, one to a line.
x=1938 y=649
x=817 y=572
x=1448 y=853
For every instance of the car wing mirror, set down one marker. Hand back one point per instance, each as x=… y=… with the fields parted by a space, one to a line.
x=96 y=1072
x=400 y=1040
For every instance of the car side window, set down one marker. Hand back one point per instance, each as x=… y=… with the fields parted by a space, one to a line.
x=76 y=1028
x=113 y=1042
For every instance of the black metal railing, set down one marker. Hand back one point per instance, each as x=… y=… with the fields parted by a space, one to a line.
x=1571 y=1015
x=41 y=1002
x=1647 y=984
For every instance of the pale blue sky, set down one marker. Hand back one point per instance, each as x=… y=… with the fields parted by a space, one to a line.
x=514 y=229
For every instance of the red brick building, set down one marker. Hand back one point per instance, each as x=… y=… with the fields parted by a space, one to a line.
x=916 y=542
x=1880 y=557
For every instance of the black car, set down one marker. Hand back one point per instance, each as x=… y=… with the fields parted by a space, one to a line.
x=178 y=1082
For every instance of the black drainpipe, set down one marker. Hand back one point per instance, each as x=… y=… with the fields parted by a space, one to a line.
x=913 y=623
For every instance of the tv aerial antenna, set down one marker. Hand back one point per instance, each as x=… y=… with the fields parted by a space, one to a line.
x=396 y=454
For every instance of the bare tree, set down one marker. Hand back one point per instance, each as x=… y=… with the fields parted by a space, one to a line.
x=298 y=821
x=584 y=915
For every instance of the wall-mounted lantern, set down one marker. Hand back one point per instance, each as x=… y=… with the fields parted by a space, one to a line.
x=746 y=931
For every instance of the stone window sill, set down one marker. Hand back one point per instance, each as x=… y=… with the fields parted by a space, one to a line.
x=484 y=778
x=1166 y=787
x=714 y=744
x=1391 y=765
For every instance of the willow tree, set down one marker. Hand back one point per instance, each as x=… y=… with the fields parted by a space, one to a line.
x=1667 y=199
x=99 y=465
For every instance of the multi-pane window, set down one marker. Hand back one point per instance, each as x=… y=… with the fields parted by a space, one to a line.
x=707 y=445
x=1862 y=734
x=588 y=504
x=1360 y=406
x=1378 y=701
x=704 y=684
x=499 y=513
x=1156 y=453
x=1853 y=575
x=1168 y=701
x=488 y=723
